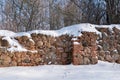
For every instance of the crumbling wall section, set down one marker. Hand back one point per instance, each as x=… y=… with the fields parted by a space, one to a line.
x=65 y=49
x=42 y=50
x=109 y=45
x=85 y=49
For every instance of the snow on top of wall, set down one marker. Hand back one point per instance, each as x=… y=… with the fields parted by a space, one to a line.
x=76 y=43
x=108 y=26
x=74 y=39
x=15 y=46
x=46 y=32
x=74 y=30
x=22 y=34
x=77 y=29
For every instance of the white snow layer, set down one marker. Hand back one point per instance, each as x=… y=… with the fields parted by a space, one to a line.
x=77 y=43
x=74 y=30
x=100 y=71
x=15 y=46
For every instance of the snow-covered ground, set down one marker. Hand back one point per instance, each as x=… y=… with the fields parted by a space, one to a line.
x=100 y=71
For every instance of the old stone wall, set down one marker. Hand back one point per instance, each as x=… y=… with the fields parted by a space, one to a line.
x=109 y=45
x=42 y=49
x=85 y=49
x=65 y=49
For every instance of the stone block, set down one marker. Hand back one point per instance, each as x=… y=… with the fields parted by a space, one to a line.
x=86 y=61
x=5 y=43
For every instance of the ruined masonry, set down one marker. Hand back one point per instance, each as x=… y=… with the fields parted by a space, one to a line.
x=62 y=50
x=85 y=49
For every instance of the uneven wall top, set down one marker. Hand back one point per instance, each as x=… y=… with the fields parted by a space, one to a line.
x=74 y=30
x=77 y=44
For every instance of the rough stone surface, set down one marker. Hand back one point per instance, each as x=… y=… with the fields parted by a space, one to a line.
x=5 y=43
x=84 y=50
x=109 y=45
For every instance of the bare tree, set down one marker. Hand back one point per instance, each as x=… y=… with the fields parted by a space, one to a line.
x=112 y=11
x=72 y=14
x=55 y=14
x=25 y=15
x=91 y=12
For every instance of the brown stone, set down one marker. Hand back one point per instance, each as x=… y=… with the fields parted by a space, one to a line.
x=34 y=35
x=60 y=50
x=59 y=43
x=5 y=43
x=94 y=54
x=19 y=60
x=87 y=50
x=6 y=59
x=103 y=29
x=116 y=30
x=24 y=38
x=13 y=63
x=77 y=59
x=94 y=47
x=86 y=60
x=39 y=43
x=48 y=44
x=44 y=38
x=38 y=60
x=75 y=62
x=65 y=55
x=27 y=60
x=102 y=53
x=30 y=42
x=18 y=55
x=101 y=58
x=53 y=49
x=94 y=60
x=115 y=57
x=118 y=61
x=11 y=54
x=108 y=58
x=77 y=48
x=3 y=50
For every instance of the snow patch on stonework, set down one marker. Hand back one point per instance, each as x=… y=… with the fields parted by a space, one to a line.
x=14 y=45
x=74 y=30
x=76 y=43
